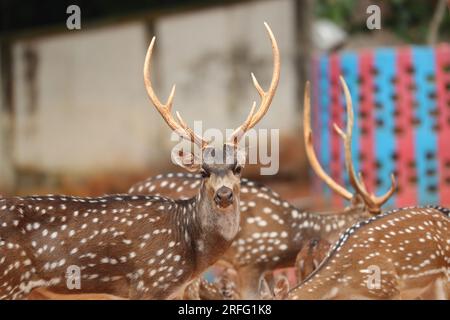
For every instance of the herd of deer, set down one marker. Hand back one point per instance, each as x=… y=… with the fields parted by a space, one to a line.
x=156 y=241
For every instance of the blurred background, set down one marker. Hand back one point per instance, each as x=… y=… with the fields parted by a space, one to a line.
x=75 y=117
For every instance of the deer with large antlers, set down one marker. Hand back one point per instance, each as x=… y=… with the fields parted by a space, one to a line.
x=272 y=230
x=131 y=246
x=400 y=254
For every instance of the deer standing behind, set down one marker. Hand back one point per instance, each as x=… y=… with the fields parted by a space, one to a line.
x=138 y=247
x=399 y=254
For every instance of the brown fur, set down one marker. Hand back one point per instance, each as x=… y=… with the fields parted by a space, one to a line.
x=293 y=228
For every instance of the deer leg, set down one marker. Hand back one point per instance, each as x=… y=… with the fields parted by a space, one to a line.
x=437 y=289
x=269 y=277
x=188 y=291
x=249 y=278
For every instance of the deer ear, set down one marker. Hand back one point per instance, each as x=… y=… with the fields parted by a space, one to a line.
x=186 y=160
x=264 y=290
x=241 y=156
x=281 y=287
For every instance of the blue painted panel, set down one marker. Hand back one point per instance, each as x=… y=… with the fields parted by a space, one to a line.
x=384 y=116
x=324 y=116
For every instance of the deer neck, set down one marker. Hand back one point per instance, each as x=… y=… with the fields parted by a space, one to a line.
x=213 y=229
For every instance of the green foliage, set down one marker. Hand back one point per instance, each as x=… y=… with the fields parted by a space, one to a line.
x=408 y=19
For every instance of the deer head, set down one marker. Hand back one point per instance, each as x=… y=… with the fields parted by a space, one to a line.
x=220 y=166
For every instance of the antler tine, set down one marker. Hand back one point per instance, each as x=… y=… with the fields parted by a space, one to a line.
x=266 y=96
x=347 y=139
x=191 y=135
x=372 y=202
x=310 y=153
x=165 y=109
x=357 y=184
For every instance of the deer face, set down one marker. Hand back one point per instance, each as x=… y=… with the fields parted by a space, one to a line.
x=221 y=169
x=220 y=166
x=218 y=205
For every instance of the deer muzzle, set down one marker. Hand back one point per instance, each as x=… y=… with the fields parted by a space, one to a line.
x=224 y=197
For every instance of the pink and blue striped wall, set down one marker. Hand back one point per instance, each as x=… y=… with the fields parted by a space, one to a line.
x=401 y=100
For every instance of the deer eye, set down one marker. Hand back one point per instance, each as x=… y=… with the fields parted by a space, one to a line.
x=237 y=169
x=204 y=173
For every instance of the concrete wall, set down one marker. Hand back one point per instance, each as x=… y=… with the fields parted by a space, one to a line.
x=210 y=55
x=7 y=176
x=81 y=107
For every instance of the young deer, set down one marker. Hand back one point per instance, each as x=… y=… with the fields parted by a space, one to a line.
x=226 y=287
x=131 y=246
x=309 y=257
x=404 y=253
x=279 y=291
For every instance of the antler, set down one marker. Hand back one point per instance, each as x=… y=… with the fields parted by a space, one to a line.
x=266 y=96
x=372 y=202
x=310 y=153
x=164 y=110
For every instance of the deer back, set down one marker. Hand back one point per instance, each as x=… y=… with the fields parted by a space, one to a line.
x=118 y=244
x=396 y=254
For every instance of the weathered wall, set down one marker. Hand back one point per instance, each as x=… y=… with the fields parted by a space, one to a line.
x=79 y=101
x=210 y=55
x=6 y=161
x=81 y=107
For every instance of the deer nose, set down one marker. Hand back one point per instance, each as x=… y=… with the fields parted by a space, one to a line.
x=224 y=197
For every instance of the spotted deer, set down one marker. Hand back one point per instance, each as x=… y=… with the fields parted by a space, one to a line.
x=399 y=254
x=272 y=231
x=131 y=246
